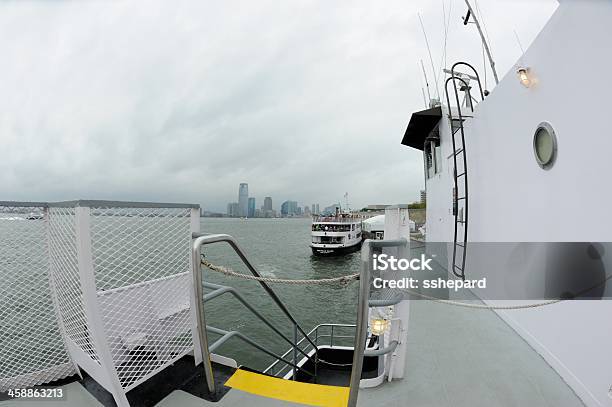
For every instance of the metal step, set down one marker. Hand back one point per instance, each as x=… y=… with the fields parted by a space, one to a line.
x=288 y=390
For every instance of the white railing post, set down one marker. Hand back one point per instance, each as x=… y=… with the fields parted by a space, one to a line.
x=397 y=226
x=197 y=348
x=90 y=304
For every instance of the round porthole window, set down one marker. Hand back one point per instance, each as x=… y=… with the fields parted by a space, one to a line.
x=545 y=145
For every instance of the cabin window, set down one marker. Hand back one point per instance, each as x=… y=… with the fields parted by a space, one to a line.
x=433 y=158
x=545 y=145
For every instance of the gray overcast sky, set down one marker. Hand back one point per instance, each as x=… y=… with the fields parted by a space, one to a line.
x=182 y=101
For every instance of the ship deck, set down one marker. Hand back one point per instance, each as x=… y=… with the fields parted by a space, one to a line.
x=457 y=357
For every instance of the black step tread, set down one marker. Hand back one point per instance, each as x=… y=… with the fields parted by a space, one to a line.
x=182 y=375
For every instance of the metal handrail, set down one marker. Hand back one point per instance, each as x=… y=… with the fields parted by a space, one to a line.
x=361 y=330
x=200 y=239
x=220 y=290
x=367 y=352
x=314 y=330
x=227 y=335
x=381 y=351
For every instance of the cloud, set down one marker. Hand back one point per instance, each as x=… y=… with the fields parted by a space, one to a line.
x=303 y=100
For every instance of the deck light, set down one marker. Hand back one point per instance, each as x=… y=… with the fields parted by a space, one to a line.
x=525 y=77
x=378 y=326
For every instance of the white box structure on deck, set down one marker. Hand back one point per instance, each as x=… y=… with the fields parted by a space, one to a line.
x=120 y=282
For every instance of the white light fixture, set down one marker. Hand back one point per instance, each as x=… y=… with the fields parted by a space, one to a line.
x=524 y=75
x=378 y=326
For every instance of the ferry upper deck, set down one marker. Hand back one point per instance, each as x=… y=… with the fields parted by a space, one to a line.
x=134 y=326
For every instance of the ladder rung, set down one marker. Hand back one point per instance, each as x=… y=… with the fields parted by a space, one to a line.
x=457 y=267
x=461 y=221
x=461 y=175
x=460 y=245
x=461 y=198
x=459 y=151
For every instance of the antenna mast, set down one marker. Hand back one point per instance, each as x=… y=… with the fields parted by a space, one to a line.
x=426 y=82
x=482 y=37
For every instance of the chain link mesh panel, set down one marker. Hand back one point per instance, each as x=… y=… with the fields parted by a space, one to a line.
x=66 y=280
x=141 y=260
x=32 y=351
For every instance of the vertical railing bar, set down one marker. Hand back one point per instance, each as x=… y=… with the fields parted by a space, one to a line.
x=361 y=328
x=197 y=347
x=295 y=334
x=201 y=319
x=331 y=339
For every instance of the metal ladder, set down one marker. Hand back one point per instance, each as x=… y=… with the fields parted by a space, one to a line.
x=460 y=170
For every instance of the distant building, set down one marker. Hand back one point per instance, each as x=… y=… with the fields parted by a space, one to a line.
x=243 y=199
x=209 y=214
x=423 y=196
x=289 y=208
x=331 y=210
x=307 y=211
x=267 y=206
x=313 y=209
x=233 y=209
x=317 y=211
x=376 y=207
x=251 y=208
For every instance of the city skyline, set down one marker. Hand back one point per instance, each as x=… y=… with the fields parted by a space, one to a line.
x=267 y=210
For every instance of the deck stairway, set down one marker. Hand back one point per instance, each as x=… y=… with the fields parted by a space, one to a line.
x=289 y=390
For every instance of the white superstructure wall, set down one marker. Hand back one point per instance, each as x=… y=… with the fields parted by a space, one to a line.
x=512 y=199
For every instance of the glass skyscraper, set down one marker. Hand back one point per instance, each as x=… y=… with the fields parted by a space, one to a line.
x=251 y=210
x=243 y=199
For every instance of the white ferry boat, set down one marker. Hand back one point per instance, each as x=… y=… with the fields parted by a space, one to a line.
x=336 y=234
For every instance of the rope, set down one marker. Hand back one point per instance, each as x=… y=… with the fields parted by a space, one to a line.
x=505 y=307
x=480 y=306
x=352 y=277
x=229 y=272
x=334 y=364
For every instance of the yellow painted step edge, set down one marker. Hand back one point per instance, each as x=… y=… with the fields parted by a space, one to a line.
x=289 y=390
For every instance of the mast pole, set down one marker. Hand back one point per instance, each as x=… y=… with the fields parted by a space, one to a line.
x=483 y=39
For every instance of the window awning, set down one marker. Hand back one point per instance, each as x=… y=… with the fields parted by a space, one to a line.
x=420 y=126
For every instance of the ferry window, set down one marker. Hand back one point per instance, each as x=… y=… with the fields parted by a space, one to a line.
x=427 y=157
x=433 y=159
x=438 y=158
x=545 y=145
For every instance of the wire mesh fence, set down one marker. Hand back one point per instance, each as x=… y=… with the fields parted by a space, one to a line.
x=141 y=261
x=104 y=285
x=66 y=280
x=32 y=349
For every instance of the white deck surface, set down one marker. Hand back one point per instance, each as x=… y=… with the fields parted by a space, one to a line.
x=457 y=357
